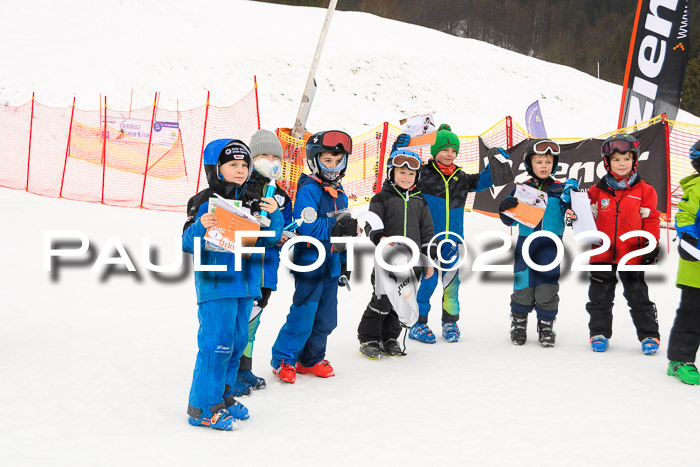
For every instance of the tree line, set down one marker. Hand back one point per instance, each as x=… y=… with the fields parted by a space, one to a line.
x=583 y=34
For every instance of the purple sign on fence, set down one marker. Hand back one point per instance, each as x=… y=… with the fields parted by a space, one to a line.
x=534 y=122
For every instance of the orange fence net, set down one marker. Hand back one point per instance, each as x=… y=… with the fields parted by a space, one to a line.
x=113 y=157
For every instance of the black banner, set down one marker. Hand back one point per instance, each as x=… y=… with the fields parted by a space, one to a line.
x=582 y=161
x=656 y=61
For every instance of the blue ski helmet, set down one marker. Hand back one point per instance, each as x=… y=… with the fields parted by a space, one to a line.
x=328 y=141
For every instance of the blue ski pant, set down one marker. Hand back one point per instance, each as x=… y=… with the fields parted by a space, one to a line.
x=450 y=288
x=538 y=290
x=312 y=317
x=222 y=336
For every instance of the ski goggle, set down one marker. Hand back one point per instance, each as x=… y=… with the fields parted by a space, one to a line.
x=405 y=159
x=694 y=153
x=619 y=145
x=546 y=146
x=333 y=141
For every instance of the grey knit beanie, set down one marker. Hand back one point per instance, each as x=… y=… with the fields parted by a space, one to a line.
x=265 y=142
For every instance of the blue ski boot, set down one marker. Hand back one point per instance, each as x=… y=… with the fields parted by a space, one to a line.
x=650 y=345
x=599 y=343
x=450 y=331
x=247 y=377
x=422 y=333
x=221 y=420
x=236 y=409
x=240 y=388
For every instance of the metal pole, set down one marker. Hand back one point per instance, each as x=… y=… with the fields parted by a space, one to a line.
x=307 y=97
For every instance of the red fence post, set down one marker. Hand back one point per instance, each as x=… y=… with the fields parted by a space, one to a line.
x=148 y=151
x=29 y=154
x=509 y=132
x=204 y=138
x=65 y=161
x=257 y=105
x=104 y=154
x=382 y=152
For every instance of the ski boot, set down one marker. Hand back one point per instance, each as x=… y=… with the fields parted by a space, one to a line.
x=236 y=409
x=247 y=377
x=221 y=420
x=450 y=331
x=599 y=343
x=687 y=372
x=422 y=333
x=241 y=389
x=650 y=345
x=393 y=349
x=322 y=369
x=546 y=332
x=371 y=350
x=518 y=328
x=285 y=372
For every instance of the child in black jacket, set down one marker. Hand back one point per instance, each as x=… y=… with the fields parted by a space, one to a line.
x=403 y=212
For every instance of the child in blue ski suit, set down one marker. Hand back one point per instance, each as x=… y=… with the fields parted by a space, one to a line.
x=266 y=152
x=225 y=298
x=445 y=187
x=301 y=343
x=533 y=289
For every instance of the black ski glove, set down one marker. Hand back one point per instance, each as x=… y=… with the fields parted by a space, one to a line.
x=507 y=203
x=651 y=257
x=431 y=251
x=346 y=226
x=681 y=251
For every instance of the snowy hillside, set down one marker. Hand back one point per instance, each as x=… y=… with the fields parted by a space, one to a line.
x=96 y=365
x=372 y=69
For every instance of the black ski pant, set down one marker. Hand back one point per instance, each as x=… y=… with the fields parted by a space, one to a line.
x=601 y=295
x=685 y=334
x=379 y=321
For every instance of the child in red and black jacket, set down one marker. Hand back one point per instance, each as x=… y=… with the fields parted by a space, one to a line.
x=622 y=202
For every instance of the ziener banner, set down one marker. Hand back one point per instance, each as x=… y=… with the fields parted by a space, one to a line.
x=582 y=161
x=656 y=61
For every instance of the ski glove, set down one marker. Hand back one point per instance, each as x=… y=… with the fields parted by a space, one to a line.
x=508 y=203
x=346 y=226
x=651 y=257
x=431 y=251
x=681 y=251
x=569 y=217
x=570 y=184
x=402 y=141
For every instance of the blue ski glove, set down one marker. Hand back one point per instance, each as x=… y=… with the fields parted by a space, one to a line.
x=570 y=184
x=402 y=141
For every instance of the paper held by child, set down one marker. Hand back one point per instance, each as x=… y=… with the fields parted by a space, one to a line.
x=400 y=287
x=581 y=205
x=231 y=217
x=531 y=206
x=421 y=129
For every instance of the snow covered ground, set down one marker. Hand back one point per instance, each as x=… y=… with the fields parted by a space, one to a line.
x=96 y=367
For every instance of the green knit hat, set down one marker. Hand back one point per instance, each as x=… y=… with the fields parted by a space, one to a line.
x=444 y=139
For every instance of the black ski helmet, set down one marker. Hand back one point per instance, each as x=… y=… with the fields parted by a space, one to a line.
x=328 y=141
x=694 y=154
x=620 y=143
x=541 y=146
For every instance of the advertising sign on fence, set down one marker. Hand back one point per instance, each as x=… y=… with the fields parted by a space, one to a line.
x=164 y=133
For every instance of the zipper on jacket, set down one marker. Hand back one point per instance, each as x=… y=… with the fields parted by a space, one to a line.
x=447 y=198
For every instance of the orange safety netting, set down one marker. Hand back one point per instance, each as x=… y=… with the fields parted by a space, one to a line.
x=118 y=160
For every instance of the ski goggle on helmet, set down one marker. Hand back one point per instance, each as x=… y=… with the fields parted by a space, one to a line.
x=621 y=144
x=404 y=158
x=331 y=141
x=546 y=146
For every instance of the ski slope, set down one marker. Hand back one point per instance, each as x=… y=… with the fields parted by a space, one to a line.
x=96 y=364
